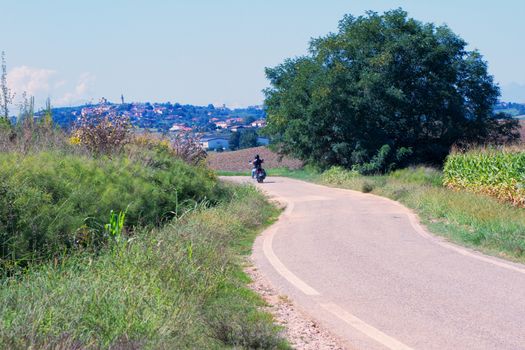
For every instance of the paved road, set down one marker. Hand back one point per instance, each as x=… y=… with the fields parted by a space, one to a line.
x=365 y=269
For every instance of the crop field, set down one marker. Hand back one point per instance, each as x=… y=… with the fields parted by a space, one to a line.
x=496 y=172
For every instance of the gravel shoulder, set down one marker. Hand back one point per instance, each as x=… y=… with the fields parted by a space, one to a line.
x=300 y=330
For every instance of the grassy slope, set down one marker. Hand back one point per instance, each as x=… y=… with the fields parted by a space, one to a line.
x=474 y=220
x=54 y=201
x=177 y=287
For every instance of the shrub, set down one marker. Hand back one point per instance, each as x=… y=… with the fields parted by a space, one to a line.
x=338 y=175
x=187 y=147
x=51 y=202
x=384 y=161
x=497 y=172
x=367 y=187
x=103 y=134
x=183 y=146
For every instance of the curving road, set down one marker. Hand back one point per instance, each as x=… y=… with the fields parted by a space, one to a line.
x=363 y=267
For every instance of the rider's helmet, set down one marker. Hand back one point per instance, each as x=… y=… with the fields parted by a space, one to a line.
x=257 y=156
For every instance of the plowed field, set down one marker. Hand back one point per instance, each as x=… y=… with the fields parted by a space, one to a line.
x=239 y=160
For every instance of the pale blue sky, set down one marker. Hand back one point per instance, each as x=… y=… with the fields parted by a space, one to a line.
x=213 y=51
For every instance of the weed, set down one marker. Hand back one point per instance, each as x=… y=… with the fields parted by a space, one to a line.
x=115 y=227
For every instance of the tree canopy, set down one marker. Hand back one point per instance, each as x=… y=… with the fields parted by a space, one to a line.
x=243 y=139
x=383 y=91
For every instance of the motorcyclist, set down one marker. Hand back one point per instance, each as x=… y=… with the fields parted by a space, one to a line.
x=257 y=165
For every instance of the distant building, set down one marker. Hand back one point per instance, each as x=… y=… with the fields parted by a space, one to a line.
x=237 y=128
x=180 y=127
x=215 y=143
x=232 y=121
x=222 y=125
x=260 y=123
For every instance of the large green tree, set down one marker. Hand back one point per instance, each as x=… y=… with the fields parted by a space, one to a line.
x=383 y=91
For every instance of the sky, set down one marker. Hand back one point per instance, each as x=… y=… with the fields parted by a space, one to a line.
x=213 y=51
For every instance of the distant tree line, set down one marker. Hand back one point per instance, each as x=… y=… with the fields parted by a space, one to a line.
x=516 y=108
x=243 y=139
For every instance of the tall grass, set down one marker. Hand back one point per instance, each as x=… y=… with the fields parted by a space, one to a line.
x=179 y=287
x=497 y=172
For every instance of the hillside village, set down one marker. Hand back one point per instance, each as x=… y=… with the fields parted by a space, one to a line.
x=212 y=125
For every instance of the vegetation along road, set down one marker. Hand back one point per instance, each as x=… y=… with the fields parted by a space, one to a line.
x=364 y=267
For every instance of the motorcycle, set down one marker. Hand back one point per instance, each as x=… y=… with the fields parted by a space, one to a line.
x=260 y=175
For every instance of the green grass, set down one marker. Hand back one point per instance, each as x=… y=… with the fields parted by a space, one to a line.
x=179 y=287
x=475 y=220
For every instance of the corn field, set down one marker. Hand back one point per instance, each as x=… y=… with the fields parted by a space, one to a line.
x=496 y=172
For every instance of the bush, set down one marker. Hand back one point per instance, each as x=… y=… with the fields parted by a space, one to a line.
x=367 y=187
x=183 y=146
x=187 y=147
x=384 y=161
x=338 y=175
x=51 y=202
x=102 y=134
x=497 y=172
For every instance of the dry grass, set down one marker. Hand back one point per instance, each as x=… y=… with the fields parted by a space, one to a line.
x=239 y=160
